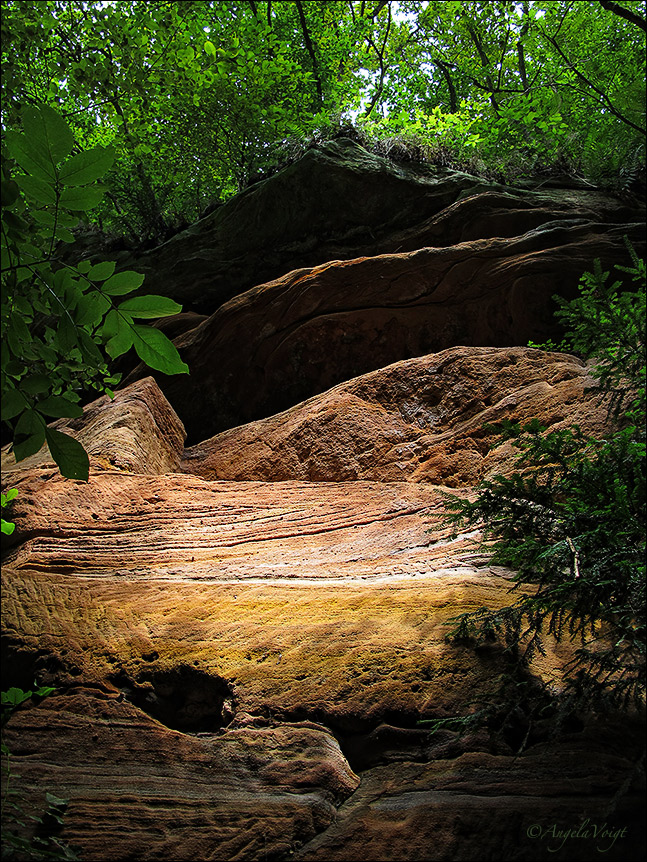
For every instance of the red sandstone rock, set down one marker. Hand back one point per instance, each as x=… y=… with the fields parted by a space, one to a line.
x=138 y=431
x=417 y=420
x=282 y=342
x=206 y=638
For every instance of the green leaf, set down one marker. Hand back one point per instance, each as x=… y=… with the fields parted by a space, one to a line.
x=30 y=156
x=44 y=690
x=82 y=199
x=44 y=217
x=11 y=494
x=101 y=271
x=71 y=457
x=66 y=334
x=210 y=48
x=90 y=309
x=37 y=189
x=29 y=434
x=123 y=282
x=89 y=349
x=155 y=349
x=150 y=306
x=14 y=696
x=35 y=384
x=7 y=527
x=13 y=403
x=9 y=193
x=64 y=235
x=56 y=801
x=58 y=406
x=46 y=127
x=87 y=167
x=122 y=340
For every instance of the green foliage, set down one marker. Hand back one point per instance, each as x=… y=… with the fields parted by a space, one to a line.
x=194 y=99
x=7 y=526
x=571 y=521
x=58 y=319
x=43 y=844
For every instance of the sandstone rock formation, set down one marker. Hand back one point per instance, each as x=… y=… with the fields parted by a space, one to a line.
x=420 y=420
x=247 y=637
x=232 y=658
x=282 y=342
x=340 y=202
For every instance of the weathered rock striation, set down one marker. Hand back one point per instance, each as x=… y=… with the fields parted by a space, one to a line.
x=232 y=658
x=340 y=202
x=282 y=342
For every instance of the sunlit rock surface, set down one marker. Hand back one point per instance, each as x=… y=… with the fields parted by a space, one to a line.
x=421 y=420
x=240 y=666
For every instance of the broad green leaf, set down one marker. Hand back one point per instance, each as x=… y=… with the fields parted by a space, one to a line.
x=13 y=403
x=64 y=235
x=90 y=309
x=29 y=434
x=46 y=127
x=84 y=267
x=9 y=194
x=44 y=217
x=89 y=349
x=122 y=340
x=11 y=494
x=123 y=282
x=35 y=384
x=87 y=167
x=101 y=271
x=30 y=156
x=65 y=334
x=58 y=406
x=150 y=306
x=15 y=696
x=69 y=454
x=18 y=336
x=81 y=199
x=110 y=325
x=155 y=349
x=210 y=48
x=44 y=690
x=37 y=189
x=7 y=527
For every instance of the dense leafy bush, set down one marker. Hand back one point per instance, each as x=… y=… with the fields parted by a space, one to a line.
x=571 y=520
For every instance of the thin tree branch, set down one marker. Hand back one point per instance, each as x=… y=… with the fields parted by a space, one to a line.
x=378 y=8
x=612 y=108
x=453 y=101
x=627 y=14
x=310 y=48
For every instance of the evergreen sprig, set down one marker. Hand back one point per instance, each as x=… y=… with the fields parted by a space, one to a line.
x=571 y=519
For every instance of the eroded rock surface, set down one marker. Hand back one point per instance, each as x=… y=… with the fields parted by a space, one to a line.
x=282 y=342
x=420 y=420
x=245 y=635
x=240 y=666
x=340 y=202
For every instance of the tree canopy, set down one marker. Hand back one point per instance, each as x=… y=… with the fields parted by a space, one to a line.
x=197 y=98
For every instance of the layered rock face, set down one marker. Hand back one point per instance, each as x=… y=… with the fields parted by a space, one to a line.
x=420 y=420
x=248 y=636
